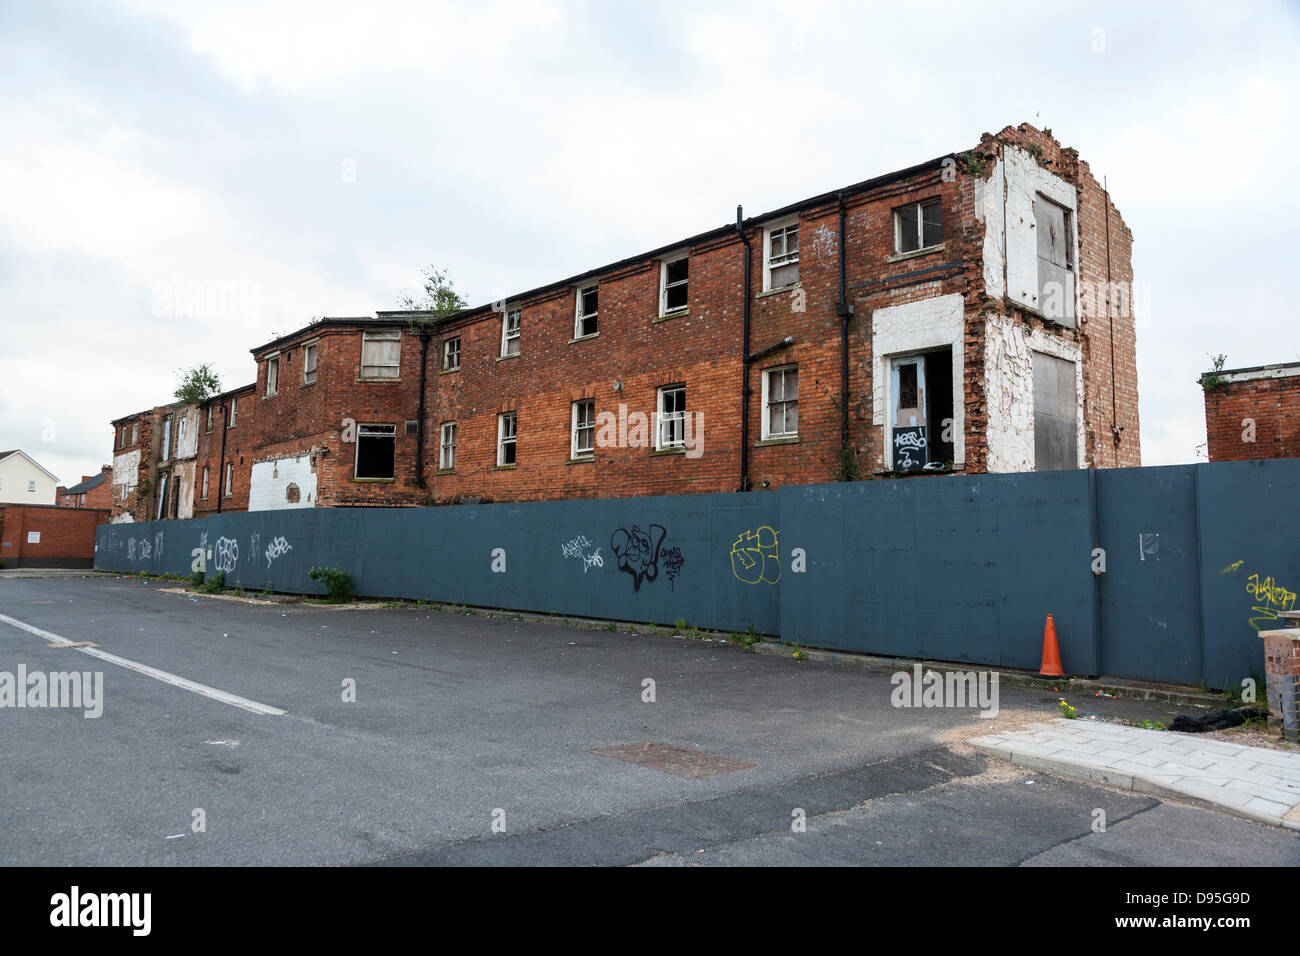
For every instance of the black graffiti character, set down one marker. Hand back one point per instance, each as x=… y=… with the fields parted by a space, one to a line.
x=637 y=552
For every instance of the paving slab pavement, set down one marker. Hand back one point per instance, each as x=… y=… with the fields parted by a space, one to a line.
x=1251 y=782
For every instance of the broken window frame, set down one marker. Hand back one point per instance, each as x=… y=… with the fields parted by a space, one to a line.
x=585 y=323
x=385 y=361
x=511 y=324
x=367 y=434
x=211 y=413
x=668 y=286
x=582 y=432
x=447 y=447
x=507 y=439
x=204 y=496
x=166 y=450
x=777 y=252
x=229 y=490
x=915 y=212
x=272 y=374
x=670 y=422
x=451 y=353
x=788 y=406
x=162 y=495
x=234 y=412
x=310 y=358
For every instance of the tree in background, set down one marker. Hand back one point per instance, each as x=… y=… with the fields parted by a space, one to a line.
x=197 y=384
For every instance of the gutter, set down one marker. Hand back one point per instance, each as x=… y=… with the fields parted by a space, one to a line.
x=419 y=424
x=221 y=475
x=745 y=357
x=843 y=310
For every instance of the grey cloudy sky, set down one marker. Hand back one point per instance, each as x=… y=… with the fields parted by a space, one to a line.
x=310 y=158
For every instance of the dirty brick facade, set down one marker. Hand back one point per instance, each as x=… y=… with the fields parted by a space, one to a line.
x=972 y=313
x=1253 y=413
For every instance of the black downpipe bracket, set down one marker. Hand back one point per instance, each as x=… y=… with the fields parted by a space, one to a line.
x=844 y=310
x=744 y=361
x=221 y=473
x=419 y=422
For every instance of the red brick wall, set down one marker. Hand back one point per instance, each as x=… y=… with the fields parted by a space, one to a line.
x=242 y=442
x=67 y=535
x=1271 y=404
x=702 y=349
x=1106 y=329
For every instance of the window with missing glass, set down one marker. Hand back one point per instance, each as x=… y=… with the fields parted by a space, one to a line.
x=781 y=402
x=309 y=352
x=272 y=374
x=588 y=305
x=671 y=431
x=376 y=451
x=510 y=326
x=583 y=438
x=447 y=451
x=507 y=428
x=451 y=353
x=781 y=263
x=674 y=276
x=917 y=226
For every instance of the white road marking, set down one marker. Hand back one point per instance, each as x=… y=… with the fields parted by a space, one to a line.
x=233 y=700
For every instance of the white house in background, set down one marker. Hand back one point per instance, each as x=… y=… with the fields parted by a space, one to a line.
x=23 y=481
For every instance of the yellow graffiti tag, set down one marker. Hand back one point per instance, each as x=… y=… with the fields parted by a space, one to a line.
x=756 y=556
x=1233 y=567
x=1270 y=599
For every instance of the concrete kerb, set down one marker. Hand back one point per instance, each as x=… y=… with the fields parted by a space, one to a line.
x=1127 y=781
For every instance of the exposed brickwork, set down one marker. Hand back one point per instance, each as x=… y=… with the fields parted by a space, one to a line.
x=67 y=535
x=1255 y=417
x=636 y=352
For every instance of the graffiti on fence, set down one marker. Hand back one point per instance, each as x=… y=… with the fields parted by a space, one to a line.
x=756 y=556
x=637 y=552
x=276 y=548
x=227 y=554
x=672 y=560
x=1270 y=599
x=581 y=547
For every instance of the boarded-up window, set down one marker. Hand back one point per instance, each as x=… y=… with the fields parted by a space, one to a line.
x=1056 y=444
x=381 y=354
x=1055 y=261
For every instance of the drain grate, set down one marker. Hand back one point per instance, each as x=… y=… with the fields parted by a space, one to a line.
x=678 y=761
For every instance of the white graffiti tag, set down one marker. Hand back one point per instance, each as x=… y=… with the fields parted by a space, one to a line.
x=276 y=548
x=582 y=548
x=227 y=554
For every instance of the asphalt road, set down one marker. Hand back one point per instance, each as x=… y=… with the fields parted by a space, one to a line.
x=469 y=742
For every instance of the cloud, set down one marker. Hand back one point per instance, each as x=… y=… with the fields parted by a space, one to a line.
x=302 y=159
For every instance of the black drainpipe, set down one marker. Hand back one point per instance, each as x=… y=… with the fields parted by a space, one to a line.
x=419 y=425
x=844 y=310
x=221 y=471
x=744 y=362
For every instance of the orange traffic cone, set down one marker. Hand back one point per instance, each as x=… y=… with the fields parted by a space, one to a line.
x=1051 y=666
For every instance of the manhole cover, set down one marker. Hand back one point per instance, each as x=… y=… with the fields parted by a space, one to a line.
x=679 y=761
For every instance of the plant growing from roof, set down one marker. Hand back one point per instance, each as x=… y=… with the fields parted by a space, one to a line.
x=197 y=384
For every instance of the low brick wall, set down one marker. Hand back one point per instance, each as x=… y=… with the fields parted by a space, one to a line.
x=48 y=536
